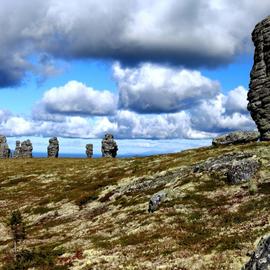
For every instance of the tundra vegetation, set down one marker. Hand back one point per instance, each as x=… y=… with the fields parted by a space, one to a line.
x=93 y=213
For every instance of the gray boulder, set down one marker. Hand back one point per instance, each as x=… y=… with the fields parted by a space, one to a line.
x=109 y=146
x=237 y=137
x=4 y=149
x=156 y=200
x=259 y=87
x=260 y=258
x=89 y=150
x=26 y=149
x=53 y=147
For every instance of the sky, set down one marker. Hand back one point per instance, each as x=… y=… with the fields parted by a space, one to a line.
x=157 y=70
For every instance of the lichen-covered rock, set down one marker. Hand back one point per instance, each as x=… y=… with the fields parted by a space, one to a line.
x=234 y=167
x=260 y=258
x=237 y=137
x=109 y=146
x=259 y=87
x=53 y=147
x=156 y=200
x=89 y=150
x=242 y=170
x=26 y=149
x=4 y=149
x=221 y=163
x=18 y=150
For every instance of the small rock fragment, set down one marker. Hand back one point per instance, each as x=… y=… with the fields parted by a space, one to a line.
x=156 y=200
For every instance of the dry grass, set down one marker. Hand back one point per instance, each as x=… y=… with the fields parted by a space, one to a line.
x=99 y=206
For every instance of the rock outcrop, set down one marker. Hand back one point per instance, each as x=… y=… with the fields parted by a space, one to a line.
x=17 y=152
x=109 y=146
x=237 y=137
x=234 y=167
x=26 y=149
x=53 y=147
x=89 y=150
x=243 y=170
x=4 y=149
x=259 y=87
x=260 y=259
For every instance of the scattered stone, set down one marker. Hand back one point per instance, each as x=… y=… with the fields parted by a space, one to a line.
x=53 y=148
x=109 y=147
x=4 y=149
x=89 y=150
x=237 y=137
x=18 y=150
x=259 y=87
x=26 y=149
x=243 y=170
x=156 y=200
x=260 y=258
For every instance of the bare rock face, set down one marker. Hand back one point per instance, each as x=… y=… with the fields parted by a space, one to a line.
x=237 y=137
x=53 y=148
x=26 y=149
x=18 y=150
x=109 y=147
x=259 y=87
x=260 y=259
x=4 y=149
x=89 y=150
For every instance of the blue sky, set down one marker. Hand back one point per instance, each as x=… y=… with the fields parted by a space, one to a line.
x=156 y=70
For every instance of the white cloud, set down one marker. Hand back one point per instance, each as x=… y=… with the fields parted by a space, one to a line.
x=159 y=89
x=236 y=100
x=191 y=33
x=75 y=98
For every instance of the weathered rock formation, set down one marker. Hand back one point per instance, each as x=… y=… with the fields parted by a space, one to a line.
x=260 y=259
x=26 y=149
x=4 y=149
x=89 y=150
x=237 y=137
x=53 y=148
x=109 y=146
x=259 y=87
x=17 y=152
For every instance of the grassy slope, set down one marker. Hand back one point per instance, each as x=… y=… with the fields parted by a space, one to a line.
x=99 y=207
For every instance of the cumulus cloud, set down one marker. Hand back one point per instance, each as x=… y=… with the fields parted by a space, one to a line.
x=159 y=89
x=213 y=116
x=75 y=98
x=189 y=33
x=236 y=101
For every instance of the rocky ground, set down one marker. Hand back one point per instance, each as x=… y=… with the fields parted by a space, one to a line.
x=95 y=211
